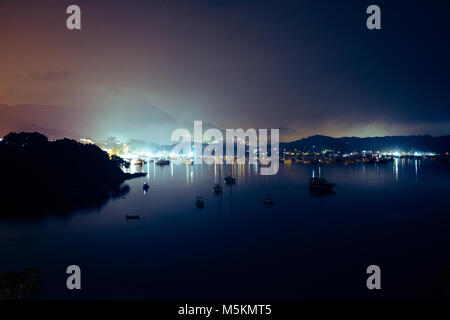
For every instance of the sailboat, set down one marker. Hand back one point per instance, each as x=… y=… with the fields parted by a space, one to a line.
x=199 y=202
x=269 y=201
x=217 y=188
x=320 y=183
x=230 y=180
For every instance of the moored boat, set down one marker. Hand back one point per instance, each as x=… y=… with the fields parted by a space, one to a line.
x=382 y=160
x=230 y=180
x=269 y=201
x=129 y=217
x=217 y=189
x=320 y=183
x=349 y=161
x=199 y=202
x=163 y=162
x=368 y=160
x=264 y=164
x=140 y=162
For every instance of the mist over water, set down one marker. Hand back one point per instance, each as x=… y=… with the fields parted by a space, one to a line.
x=307 y=245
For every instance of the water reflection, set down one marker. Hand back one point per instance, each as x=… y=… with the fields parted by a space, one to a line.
x=187 y=174
x=396 y=169
x=249 y=179
x=50 y=205
x=321 y=193
x=375 y=206
x=415 y=168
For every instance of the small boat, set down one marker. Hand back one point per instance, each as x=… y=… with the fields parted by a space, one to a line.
x=269 y=201
x=217 y=189
x=368 y=160
x=264 y=164
x=163 y=162
x=230 y=180
x=349 y=161
x=140 y=162
x=145 y=186
x=187 y=162
x=199 y=202
x=382 y=160
x=128 y=217
x=320 y=183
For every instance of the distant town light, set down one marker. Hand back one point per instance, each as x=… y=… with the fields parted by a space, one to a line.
x=86 y=141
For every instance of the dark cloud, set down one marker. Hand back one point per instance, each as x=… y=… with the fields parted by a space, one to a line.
x=50 y=75
x=307 y=67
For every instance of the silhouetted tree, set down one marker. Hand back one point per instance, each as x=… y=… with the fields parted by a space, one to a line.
x=58 y=174
x=26 y=284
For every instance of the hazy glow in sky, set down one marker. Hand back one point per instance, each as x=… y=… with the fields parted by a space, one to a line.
x=307 y=67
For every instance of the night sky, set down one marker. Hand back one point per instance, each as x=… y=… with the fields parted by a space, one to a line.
x=307 y=67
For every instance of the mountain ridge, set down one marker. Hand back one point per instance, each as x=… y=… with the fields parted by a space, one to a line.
x=424 y=143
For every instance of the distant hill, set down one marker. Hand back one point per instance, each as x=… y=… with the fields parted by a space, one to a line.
x=423 y=143
x=144 y=122
x=11 y=123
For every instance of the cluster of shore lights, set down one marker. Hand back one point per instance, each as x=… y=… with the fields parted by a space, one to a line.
x=402 y=153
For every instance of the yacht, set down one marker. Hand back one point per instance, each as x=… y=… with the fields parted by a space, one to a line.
x=269 y=201
x=217 y=189
x=128 y=217
x=140 y=162
x=230 y=180
x=320 y=184
x=163 y=162
x=199 y=202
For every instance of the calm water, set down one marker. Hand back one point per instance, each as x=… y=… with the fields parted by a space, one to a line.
x=306 y=246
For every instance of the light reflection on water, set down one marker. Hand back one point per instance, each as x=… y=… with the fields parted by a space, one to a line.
x=305 y=246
